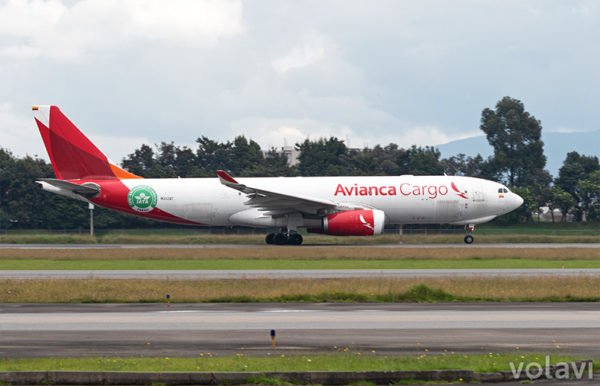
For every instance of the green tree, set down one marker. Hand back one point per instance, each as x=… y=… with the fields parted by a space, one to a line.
x=213 y=156
x=561 y=200
x=24 y=204
x=589 y=191
x=378 y=161
x=168 y=161
x=242 y=157
x=247 y=157
x=276 y=164
x=462 y=165
x=540 y=181
x=515 y=136
x=422 y=160
x=577 y=168
x=186 y=163
x=324 y=157
x=140 y=162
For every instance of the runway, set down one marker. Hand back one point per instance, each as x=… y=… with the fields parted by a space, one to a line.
x=300 y=273
x=227 y=329
x=192 y=246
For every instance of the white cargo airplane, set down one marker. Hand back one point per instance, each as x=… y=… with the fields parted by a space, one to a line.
x=358 y=206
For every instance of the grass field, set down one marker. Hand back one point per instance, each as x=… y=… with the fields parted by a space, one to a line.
x=303 y=253
x=435 y=289
x=487 y=233
x=582 y=288
x=276 y=264
x=273 y=257
x=541 y=228
x=350 y=361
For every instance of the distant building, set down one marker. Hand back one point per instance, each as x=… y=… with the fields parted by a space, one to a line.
x=291 y=153
x=546 y=214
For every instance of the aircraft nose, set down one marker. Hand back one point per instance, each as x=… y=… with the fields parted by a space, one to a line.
x=518 y=201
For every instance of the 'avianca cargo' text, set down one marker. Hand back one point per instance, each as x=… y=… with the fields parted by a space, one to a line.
x=404 y=189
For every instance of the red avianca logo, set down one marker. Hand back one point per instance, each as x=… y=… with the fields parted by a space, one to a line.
x=459 y=193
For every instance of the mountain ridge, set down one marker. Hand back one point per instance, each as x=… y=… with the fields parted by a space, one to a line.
x=556 y=147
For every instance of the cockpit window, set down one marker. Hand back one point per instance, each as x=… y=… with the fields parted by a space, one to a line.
x=502 y=190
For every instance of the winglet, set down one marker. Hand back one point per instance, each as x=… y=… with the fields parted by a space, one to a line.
x=225 y=178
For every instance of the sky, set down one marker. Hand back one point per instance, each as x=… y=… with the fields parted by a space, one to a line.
x=368 y=72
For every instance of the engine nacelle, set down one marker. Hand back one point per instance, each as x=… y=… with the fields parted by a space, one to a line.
x=360 y=222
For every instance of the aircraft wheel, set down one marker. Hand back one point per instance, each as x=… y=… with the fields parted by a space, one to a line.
x=270 y=239
x=295 y=239
x=280 y=239
x=469 y=239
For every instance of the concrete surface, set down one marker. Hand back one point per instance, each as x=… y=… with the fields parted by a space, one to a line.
x=227 y=329
x=292 y=273
x=439 y=246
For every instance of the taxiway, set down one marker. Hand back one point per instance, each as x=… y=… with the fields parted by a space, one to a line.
x=234 y=246
x=292 y=273
x=227 y=329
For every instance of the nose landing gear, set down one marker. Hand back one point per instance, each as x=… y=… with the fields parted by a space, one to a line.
x=468 y=238
x=284 y=238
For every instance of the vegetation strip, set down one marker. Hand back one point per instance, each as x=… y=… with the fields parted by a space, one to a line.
x=351 y=360
x=238 y=264
x=354 y=378
x=303 y=253
x=530 y=233
x=442 y=289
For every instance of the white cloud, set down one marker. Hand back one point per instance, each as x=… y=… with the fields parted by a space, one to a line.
x=19 y=134
x=274 y=132
x=118 y=147
x=567 y=130
x=188 y=20
x=51 y=29
x=22 y=18
x=401 y=72
x=431 y=136
x=309 y=52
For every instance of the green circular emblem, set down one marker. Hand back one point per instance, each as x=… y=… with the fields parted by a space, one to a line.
x=142 y=198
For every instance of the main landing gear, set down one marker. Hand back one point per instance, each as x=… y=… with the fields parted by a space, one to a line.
x=284 y=238
x=468 y=238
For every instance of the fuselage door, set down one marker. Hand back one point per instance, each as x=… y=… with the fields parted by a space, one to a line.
x=477 y=193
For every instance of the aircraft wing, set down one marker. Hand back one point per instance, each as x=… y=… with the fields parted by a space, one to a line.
x=274 y=203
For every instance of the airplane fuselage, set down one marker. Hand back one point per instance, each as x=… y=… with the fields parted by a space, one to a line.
x=404 y=199
x=342 y=206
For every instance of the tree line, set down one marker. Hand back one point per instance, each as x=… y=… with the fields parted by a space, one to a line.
x=518 y=161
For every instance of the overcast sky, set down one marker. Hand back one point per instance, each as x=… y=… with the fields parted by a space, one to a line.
x=369 y=72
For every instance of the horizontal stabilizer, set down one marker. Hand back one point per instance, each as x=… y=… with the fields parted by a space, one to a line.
x=88 y=190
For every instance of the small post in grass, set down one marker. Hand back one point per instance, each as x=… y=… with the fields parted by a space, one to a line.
x=91 y=208
x=272 y=338
x=168 y=300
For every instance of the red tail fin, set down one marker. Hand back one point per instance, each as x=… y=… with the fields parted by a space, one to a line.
x=72 y=154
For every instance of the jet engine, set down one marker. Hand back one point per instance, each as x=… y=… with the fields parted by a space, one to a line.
x=360 y=222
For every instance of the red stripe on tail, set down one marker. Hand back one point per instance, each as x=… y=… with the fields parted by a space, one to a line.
x=72 y=154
